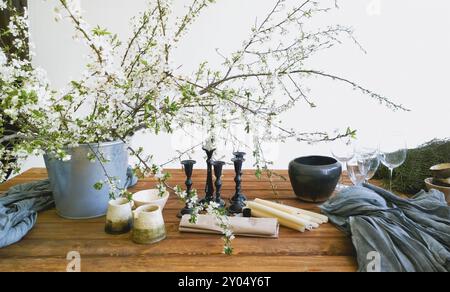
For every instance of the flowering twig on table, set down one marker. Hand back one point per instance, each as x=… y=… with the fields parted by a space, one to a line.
x=211 y=208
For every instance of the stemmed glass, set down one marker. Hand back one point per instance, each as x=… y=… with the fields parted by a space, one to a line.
x=363 y=167
x=368 y=162
x=393 y=151
x=356 y=172
x=343 y=150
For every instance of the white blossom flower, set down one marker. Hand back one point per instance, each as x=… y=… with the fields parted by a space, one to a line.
x=228 y=233
x=3 y=58
x=182 y=195
x=3 y=4
x=194 y=198
x=12 y=113
x=66 y=158
x=212 y=208
x=13 y=30
x=159 y=174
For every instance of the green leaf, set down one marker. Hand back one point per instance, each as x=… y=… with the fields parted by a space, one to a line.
x=98 y=31
x=68 y=98
x=258 y=173
x=228 y=250
x=98 y=186
x=351 y=133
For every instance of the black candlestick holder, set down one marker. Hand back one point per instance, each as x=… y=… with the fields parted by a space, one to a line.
x=209 y=188
x=218 y=170
x=239 y=199
x=188 y=170
x=239 y=154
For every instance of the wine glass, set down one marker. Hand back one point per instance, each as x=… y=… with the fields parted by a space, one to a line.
x=343 y=150
x=356 y=172
x=393 y=151
x=368 y=161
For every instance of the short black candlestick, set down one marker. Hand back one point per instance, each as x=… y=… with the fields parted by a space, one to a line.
x=188 y=170
x=209 y=188
x=218 y=170
x=238 y=200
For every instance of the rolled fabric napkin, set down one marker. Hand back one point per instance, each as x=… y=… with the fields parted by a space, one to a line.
x=249 y=227
x=19 y=207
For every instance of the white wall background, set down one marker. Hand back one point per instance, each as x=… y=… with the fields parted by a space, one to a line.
x=407 y=41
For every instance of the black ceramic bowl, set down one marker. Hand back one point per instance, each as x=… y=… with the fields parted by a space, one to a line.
x=314 y=178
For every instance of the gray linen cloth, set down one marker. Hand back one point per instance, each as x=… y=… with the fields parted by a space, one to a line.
x=19 y=207
x=409 y=235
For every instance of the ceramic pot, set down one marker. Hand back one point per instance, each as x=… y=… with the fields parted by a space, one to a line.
x=148 y=225
x=441 y=171
x=314 y=178
x=445 y=190
x=72 y=182
x=119 y=218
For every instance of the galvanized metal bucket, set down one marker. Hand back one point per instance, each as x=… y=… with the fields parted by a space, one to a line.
x=73 y=181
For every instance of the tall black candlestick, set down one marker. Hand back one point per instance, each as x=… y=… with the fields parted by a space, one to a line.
x=238 y=200
x=188 y=170
x=209 y=188
x=239 y=154
x=218 y=169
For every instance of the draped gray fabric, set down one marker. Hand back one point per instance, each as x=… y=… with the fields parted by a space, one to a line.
x=410 y=235
x=19 y=208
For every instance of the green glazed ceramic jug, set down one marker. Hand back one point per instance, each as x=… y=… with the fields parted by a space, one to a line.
x=148 y=226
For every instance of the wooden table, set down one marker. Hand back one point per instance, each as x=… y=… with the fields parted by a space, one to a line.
x=46 y=247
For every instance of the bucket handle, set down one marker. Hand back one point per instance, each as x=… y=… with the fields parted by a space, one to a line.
x=131 y=178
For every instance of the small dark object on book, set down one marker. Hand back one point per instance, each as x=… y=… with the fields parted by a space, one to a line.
x=247 y=212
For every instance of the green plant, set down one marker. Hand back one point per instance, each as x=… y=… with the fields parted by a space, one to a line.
x=409 y=178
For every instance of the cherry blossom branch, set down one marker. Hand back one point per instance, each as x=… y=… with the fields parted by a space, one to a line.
x=380 y=98
x=85 y=34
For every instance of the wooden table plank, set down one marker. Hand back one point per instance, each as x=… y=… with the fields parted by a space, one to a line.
x=199 y=245
x=46 y=246
x=189 y=263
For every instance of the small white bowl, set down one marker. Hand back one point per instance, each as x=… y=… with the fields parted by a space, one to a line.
x=150 y=197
